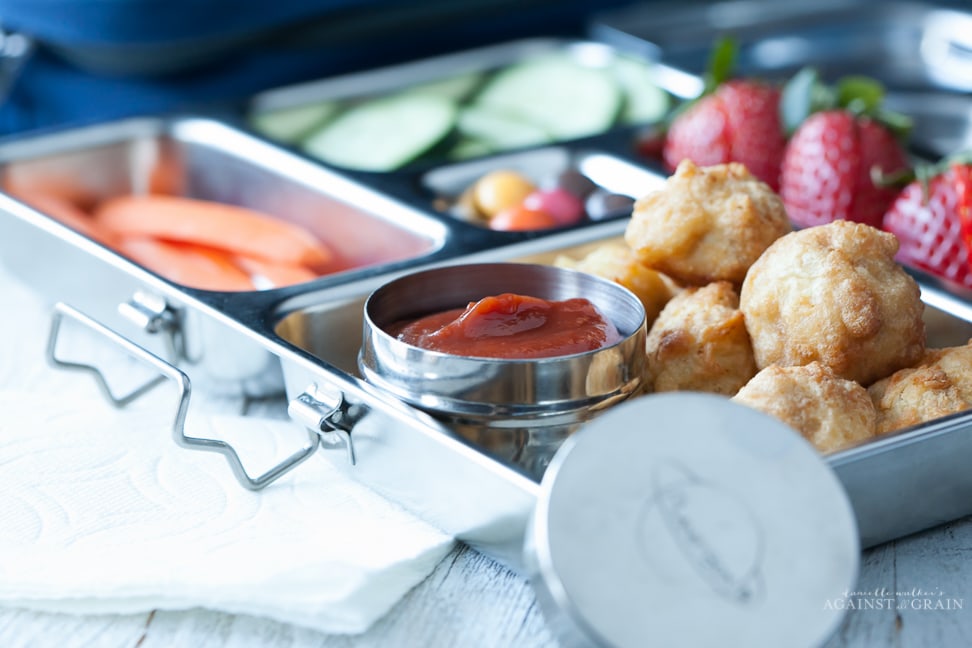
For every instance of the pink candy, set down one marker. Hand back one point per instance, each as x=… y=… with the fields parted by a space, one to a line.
x=562 y=205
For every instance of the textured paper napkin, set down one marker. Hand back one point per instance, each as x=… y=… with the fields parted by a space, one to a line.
x=101 y=512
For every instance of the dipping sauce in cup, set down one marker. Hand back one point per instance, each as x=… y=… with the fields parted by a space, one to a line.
x=511 y=325
x=516 y=406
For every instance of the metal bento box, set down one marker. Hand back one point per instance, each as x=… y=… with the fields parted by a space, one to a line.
x=304 y=339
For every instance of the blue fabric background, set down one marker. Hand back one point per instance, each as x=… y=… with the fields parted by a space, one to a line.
x=53 y=90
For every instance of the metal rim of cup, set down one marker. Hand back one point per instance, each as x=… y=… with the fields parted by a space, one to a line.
x=554 y=390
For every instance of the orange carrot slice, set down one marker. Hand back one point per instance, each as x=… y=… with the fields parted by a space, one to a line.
x=189 y=265
x=68 y=214
x=275 y=275
x=217 y=225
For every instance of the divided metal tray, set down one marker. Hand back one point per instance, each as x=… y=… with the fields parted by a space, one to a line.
x=303 y=340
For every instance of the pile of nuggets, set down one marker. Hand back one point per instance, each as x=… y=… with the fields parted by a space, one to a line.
x=819 y=327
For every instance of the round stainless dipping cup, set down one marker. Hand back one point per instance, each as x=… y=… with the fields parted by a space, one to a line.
x=518 y=408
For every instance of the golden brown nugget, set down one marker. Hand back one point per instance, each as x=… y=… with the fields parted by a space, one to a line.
x=830 y=412
x=941 y=384
x=699 y=343
x=618 y=263
x=834 y=293
x=706 y=224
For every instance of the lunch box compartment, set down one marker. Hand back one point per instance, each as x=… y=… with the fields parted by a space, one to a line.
x=204 y=159
x=610 y=174
x=330 y=330
x=464 y=77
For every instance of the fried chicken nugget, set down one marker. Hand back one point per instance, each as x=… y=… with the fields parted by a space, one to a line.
x=617 y=262
x=939 y=385
x=834 y=293
x=830 y=412
x=706 y=224
x=699 y=343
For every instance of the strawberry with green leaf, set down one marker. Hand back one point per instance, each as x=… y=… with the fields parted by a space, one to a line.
x=842 y=141
x=932 y=218
x=734 y=120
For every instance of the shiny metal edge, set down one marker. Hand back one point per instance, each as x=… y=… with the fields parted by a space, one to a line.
x=395 y=77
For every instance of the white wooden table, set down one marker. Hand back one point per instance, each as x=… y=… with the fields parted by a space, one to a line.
x=915 y=592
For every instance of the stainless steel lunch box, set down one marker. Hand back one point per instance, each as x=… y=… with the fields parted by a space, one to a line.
x=306 y=339
x=898 y=484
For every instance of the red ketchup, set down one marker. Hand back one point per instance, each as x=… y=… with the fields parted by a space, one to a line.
x=511 y=326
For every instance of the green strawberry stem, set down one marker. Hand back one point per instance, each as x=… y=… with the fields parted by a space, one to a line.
x=923 y=172
x=722 y=62
x=805 y=93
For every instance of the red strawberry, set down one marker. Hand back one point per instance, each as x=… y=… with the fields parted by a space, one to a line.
x=827 y=169
x=929 y=219
x=739 y=122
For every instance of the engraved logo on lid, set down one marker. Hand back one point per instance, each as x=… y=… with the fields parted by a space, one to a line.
x=708 y=528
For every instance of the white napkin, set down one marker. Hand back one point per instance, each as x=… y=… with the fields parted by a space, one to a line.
x=100 y=511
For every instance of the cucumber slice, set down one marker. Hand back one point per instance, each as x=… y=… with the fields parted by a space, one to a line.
x=557 y=93
x=456 y=87
x=290 y=125
x=499 y=129
x=384 y=134
x=644 y=101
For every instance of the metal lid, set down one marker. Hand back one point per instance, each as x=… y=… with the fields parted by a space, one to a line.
x=685 y=519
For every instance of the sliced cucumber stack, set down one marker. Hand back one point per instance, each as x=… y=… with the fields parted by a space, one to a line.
x=542 y=100
x=557 y=94
x=384 y=134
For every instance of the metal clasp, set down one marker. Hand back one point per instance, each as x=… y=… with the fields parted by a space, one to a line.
x=152 y=314
x=333 y=423
x=181 y=381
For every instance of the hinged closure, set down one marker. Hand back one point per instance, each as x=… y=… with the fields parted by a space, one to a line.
x=148 y=312
x=152 y=314
x=332 y=422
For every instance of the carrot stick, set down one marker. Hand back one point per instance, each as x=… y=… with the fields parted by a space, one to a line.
x=217 y=225
x=189 y=265
x=66 y=213
x=274 y=274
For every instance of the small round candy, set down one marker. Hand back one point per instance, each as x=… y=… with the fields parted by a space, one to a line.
x=500 y=189
x=465 y=206
x=520 y=218
x=602 y=204
x=565 y=207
